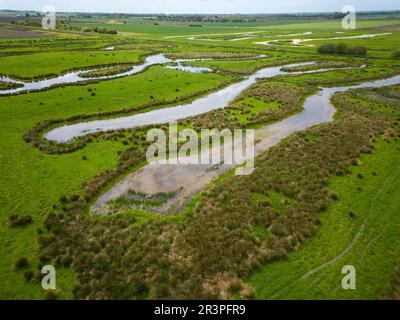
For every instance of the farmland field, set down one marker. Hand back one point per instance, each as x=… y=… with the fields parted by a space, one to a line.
x=322 y=196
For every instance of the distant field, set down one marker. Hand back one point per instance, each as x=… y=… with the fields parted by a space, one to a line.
x=177 y=29
x=7 y=32
x=336 y=25
x=381 y=45
x=138 y=21
x=163 y=29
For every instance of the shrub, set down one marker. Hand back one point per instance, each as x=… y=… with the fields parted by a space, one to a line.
x=16 y=220
x=51 y=295
x=326 y=48
x=21 y=262
x=74 y=197
x=334 y=195
x=28 y=275
x=358 y=51
x=396 y=54
x=341 y=48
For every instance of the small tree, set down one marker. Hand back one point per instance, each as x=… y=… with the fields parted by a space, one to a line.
x=342 y=48
x=396 y=54
x=21 y=262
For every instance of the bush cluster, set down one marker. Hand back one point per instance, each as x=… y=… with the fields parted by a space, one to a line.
x=396 y=54
x=342 y=48
x=17 y=220
x=21 y=263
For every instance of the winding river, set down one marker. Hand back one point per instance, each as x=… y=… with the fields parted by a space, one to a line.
x=213 y=101
x=79 y=76
x=188 y=179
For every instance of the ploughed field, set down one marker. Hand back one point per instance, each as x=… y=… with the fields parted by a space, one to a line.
x=325 y=196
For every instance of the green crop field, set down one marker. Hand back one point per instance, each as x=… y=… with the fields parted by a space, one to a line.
x=320 y=199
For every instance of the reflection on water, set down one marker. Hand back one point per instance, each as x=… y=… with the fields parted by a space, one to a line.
x=215 y=100
x=193 y=69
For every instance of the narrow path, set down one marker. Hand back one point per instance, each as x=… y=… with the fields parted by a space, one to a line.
x=351 y=245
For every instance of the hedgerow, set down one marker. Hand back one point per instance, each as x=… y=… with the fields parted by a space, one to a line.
x=342 y=48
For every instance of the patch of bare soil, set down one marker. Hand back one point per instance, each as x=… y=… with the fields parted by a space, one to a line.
x=20 y=33
x=395 y=27
x=114 y=22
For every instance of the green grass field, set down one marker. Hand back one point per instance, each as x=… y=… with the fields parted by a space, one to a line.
x=374 y=199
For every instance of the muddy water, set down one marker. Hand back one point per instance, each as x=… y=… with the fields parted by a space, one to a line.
x=189 y=179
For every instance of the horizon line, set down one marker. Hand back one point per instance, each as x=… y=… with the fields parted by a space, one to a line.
x=243 y=14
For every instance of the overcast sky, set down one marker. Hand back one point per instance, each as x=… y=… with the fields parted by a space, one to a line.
x=200 y=6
